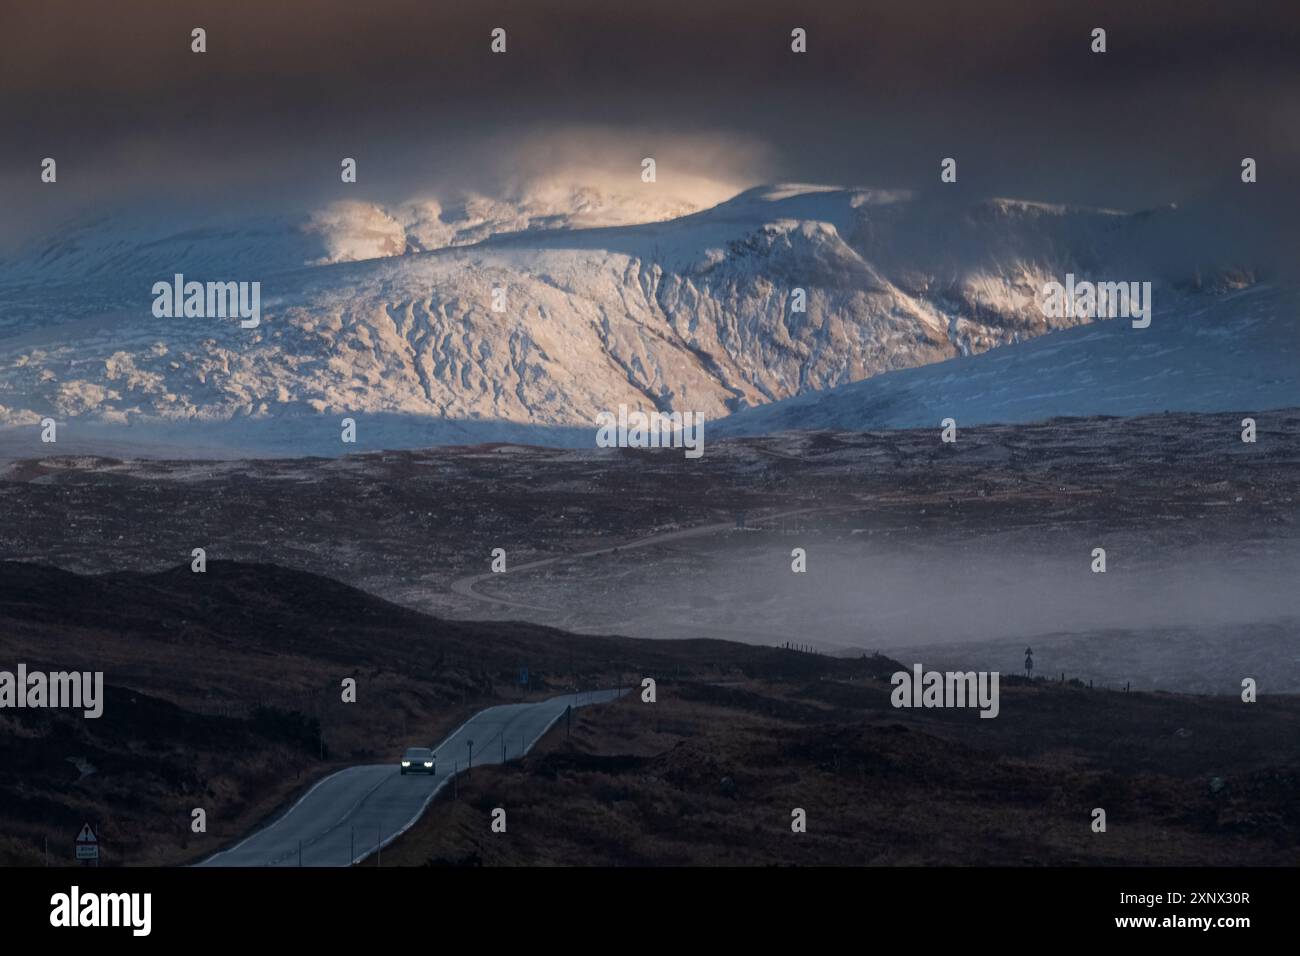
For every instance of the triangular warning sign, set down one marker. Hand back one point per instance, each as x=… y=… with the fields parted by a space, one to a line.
x=87 y=835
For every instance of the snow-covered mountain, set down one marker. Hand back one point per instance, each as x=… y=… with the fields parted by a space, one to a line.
x=1235 y=352
x=389 y=311
x=145 y=242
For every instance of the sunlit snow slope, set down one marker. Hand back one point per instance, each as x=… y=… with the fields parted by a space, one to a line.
x=388 y=312
x=1237 y=352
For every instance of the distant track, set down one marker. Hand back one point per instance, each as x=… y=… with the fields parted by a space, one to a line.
x=466 y=586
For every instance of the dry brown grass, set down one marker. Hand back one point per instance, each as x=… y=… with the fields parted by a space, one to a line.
x=641 y=784
x=189 y=659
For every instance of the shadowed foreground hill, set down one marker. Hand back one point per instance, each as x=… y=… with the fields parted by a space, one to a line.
x=710 y=774
x=223 y=691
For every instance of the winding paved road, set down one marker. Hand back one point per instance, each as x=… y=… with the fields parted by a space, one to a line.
x=352 y=813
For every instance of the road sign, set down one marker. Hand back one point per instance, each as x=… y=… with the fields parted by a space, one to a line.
x=87 y=844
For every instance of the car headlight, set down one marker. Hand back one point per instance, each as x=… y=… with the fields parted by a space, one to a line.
x=428 y=763
x=406 y=763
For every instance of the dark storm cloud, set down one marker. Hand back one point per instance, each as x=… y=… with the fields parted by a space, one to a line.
x=410 y=88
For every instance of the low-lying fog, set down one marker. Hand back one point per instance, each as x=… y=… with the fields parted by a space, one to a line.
x=1186 y=616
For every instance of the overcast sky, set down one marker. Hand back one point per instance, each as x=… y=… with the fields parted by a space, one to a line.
x=409 y=88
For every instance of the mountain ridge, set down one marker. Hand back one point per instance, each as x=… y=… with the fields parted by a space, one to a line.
x=695 y=312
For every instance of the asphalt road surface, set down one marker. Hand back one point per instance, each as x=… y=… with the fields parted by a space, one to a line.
x=352 y=813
